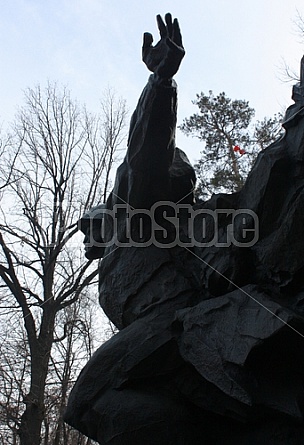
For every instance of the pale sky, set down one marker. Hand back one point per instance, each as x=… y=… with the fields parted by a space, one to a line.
x=234 y=46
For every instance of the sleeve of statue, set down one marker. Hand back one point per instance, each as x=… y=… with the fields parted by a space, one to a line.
x=151 y=144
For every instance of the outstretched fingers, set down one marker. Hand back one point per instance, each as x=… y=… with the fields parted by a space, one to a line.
x=169 y=29
x=161 y=26
x=147 y=40
x=168 y=19
x=164 y=58
x=176 y=34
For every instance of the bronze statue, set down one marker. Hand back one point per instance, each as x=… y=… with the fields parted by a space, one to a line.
x=210 y=348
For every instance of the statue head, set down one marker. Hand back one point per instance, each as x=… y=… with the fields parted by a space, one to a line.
x=91 y=224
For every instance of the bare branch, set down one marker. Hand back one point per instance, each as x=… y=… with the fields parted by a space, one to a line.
x=58 y=165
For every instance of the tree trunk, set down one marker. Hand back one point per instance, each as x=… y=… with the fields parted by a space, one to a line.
x=64 y=390
x=30 y=427
x=40 y=348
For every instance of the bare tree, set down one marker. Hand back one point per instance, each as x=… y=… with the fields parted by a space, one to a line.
x=78 y=329
x=62 y=158
x=14 y=367
x=5 y=148
x=112 y=122
x=286 y=72
x=299 y=26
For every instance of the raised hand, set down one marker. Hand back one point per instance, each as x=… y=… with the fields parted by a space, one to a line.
x=165 y=57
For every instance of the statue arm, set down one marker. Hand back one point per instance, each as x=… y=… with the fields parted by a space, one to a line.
x=151 y=141
x=153 y=123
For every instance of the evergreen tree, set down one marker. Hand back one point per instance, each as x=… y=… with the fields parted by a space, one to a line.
x=231 y=141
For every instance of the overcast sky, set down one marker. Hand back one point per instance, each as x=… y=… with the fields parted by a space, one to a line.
x=234 y=46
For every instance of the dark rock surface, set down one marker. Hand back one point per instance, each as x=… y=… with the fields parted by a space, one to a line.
x=211 y=342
